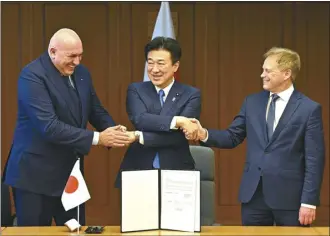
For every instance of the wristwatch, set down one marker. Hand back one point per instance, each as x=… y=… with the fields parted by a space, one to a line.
x=137 y=135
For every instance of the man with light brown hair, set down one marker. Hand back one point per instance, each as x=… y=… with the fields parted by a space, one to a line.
x=284 y=164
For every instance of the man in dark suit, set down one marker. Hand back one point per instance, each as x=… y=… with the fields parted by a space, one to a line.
x=158 y=110
x=284 y=165
x=56 y=99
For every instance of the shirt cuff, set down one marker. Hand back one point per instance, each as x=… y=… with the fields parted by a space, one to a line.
x=96 y=138
x=173 y=123
x=307 y=205
x=207 y=136
x=141 y=140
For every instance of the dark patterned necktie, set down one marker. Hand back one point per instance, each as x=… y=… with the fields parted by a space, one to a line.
x=271 y=116
x=161 y=94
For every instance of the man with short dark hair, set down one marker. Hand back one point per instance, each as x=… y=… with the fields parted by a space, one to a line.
x=158 y=110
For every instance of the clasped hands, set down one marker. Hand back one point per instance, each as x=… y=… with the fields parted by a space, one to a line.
x=192 y=128
x=116 y=136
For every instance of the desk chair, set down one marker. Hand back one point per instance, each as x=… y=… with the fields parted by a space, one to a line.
x=204 y=162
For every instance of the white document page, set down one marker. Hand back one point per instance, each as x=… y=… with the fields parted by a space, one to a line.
x=178 y=200
x=140 y=200
x=198 y=202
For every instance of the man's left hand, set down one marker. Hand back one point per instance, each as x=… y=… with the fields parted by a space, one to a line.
x=121 y=128
x=132 y=137
x=306 y=215
x=131 y=134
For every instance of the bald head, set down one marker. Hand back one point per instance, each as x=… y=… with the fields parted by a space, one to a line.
x=65 y=50
x=64 y=38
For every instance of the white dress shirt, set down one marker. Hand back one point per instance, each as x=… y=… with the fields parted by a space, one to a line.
x=280 y=105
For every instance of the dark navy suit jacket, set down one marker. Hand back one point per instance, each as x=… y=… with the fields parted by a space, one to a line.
x=145 y=112
x=291 y=163
x=49 y=135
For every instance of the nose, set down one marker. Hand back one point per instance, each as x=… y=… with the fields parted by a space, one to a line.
x=263 y=75
x=155 y=69
x=76 y=61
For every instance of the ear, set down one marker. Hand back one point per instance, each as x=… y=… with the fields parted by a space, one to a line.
x=176 y=66
x=52 y=51
x=287 y=74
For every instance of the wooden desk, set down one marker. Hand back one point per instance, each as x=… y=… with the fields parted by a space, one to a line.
x=206 y=230
x=322 y=230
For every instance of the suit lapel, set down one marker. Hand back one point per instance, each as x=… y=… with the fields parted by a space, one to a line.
x=262 y=116
x=289 y=110
x=172 y=98
x=56 y=78
x=153 y=97
x=80 y=88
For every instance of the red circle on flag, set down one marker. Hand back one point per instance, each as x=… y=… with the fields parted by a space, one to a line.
x=71 y=185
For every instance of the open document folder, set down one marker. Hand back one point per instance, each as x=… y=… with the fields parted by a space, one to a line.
x=160 y=199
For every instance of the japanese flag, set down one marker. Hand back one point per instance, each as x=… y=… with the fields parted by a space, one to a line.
x=75 y=192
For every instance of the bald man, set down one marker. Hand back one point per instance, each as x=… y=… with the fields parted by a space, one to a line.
x=56 y=100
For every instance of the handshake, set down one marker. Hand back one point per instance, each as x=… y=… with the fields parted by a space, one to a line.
x=116 y=136
x=191 y=128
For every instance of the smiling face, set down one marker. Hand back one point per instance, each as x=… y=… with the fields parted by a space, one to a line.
x=274 y=78
x=67 y=56
x=65 y=50
x=160 y=67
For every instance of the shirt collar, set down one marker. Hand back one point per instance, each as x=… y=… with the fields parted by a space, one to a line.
x=166 y=89
x=286 y=94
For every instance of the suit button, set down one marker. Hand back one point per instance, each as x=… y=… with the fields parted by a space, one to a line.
x=259 y=168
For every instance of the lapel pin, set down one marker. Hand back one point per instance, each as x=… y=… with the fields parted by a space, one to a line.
x=173 y=99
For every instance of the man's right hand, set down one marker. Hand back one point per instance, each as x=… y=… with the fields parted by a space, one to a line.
x=201 y=132
x=187 y=125
x=114 y=137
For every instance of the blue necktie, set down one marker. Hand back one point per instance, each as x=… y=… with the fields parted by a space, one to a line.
x=271 y=116
x=161 y=94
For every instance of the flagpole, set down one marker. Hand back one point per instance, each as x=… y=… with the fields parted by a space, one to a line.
x=78 y=205
x=78 y=218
